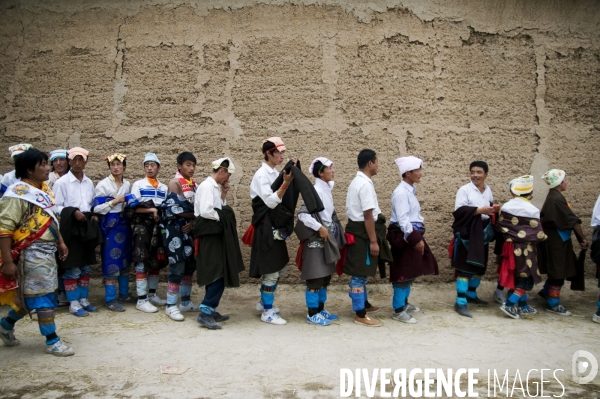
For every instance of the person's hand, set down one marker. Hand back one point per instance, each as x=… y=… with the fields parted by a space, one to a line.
x=420 y=247
x=63 y=251
x=324 y=233
x=225 y=188
x=287 y=177
x=584 y=244
x=94 y=219
x=80 y=216
x=485 y=210
x=295 y=160
x=155 y=214
x=187 y=227
x=9 y=270
x=119 y=199
x=374 y=249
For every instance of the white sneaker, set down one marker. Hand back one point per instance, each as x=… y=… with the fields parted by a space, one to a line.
x=156 y=300
x=596 y=318
x=404 y=317
x=412 y=308
x=259 y=306
x=174 y=313
x=60 y=349
x=270 y=316
x=145 y=306
x=190 y=307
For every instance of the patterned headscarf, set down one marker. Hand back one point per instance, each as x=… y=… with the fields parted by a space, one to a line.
x=56 y=154
x=554 y=177
x=18 y=149
x=115 y=155
x=521 y=185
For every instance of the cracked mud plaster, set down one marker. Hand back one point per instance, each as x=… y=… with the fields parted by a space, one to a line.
x=514 y=83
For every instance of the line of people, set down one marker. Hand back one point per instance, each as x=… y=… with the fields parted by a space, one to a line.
x=190 y=228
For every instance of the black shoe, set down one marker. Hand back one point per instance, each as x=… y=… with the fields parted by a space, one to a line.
x=543 y=294
x=218 y=317
x=127 y=299
x=462 y=310
x=477 y=301
x=510 y=311
x=207 y=321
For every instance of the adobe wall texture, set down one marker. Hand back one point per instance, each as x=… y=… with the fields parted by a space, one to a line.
x=514 y=83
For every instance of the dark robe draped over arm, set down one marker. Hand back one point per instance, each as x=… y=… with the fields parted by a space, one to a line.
x=470 y=227
x=269 y=255
x=219 y=252
x=359 y=261
x=81 y=238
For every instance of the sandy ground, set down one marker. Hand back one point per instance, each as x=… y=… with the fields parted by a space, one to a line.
x=123 y=355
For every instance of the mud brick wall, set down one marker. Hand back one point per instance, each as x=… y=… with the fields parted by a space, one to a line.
x=514 y=83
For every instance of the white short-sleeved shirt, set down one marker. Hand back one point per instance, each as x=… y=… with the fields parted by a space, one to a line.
x=208 y=197
x=108 y=188
x=405 y=208
x=261 y=185
x=469 y=195
x=144 y=191
x=324 y=191
x=596 y=214
x=361 y=197
x=69 y=191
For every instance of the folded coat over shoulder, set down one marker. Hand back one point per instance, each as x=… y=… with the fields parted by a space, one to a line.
x=269 y=255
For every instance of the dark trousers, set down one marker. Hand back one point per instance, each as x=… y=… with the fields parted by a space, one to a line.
x=214 y=292
x=317 y=283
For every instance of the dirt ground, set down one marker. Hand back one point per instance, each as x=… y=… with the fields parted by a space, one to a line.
x=125 y=355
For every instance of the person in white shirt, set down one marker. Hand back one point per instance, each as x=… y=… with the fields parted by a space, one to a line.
x=473 y=200
x=412 y=256
x=321 y=229
x=59 y=166
x=213 y=257
x=148 y=252
x=366 y=224
x=10 y=178
x=272 y=266
x=74 y=194
x=112 y=194
x=595 y=253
